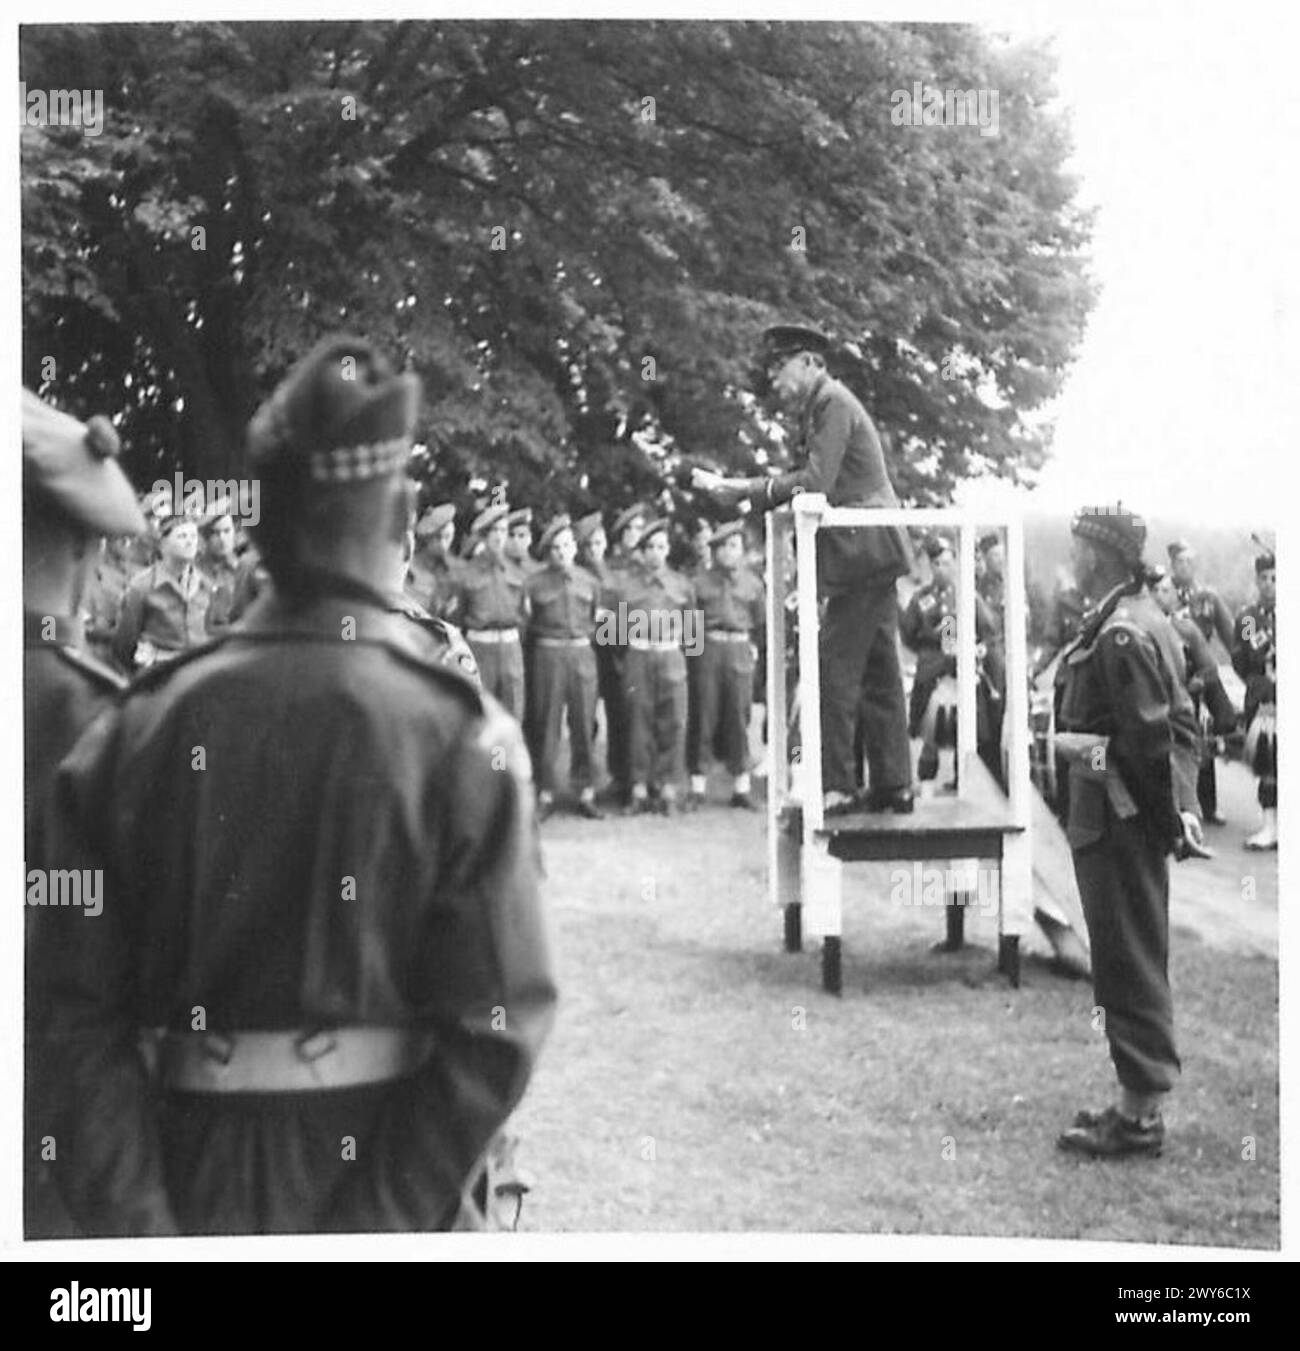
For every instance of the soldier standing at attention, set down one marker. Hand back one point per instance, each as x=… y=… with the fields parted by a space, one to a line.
x=1127 y=727
x=730 y=600
x=218 y=564
x=655 y=600
x=492 y=608
x=1254 y=658
x=929 y=628
x=562 y=599
x=320 y=882
x=856 y=568
x=435 y=570
x=519 y=540
x=165 y=609
x=74 y=492
x=620 y=562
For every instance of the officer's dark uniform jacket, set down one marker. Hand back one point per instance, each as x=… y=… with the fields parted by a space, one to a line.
x=1254 y=647
x=846 y=462
x=305 y=825
x=1123 y=681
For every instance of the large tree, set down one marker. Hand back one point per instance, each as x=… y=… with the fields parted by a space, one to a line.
x=574 y=231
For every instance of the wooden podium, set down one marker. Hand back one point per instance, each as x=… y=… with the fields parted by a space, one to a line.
x=807 y=852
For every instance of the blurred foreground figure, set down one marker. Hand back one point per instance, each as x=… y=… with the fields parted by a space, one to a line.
x=1129 y=733
x=73 y=493
x=320 y=882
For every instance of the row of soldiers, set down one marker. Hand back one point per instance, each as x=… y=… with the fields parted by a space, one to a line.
x=571 y=620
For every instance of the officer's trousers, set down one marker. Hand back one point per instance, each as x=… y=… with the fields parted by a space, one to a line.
x=724 y=679
x=562 y=679
x=609 y=681
x=654 y=688
x=501 y=669
x=859 y=659
x=1124 y=886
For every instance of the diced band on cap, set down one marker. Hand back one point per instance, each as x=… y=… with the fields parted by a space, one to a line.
x=351 y=464
x=1121 y=530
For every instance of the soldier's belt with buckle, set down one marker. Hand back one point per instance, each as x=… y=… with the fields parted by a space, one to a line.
x=727 y=635
x=289 y=1062
x=646 y=645
x=492 y=635
x=563 y=642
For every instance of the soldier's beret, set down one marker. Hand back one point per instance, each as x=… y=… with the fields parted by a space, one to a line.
x=1116 y=527
x=659 y=526
x=986 y=542
x=586 y=526
x=170 y=523
x=1265 y=563
x=434 y=519
x=725 y=532
x=936 y=545
x=488 y=517
x=787 y=339
x=560 y=523
x=634 y=513
x=342 y=415
x=74 y=465
x=520 y=516
x=216 y=513
x=1178 y=548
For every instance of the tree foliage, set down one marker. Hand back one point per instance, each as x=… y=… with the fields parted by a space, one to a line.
x=574 y=231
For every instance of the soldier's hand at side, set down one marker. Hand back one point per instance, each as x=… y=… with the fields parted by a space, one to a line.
x=1192 y=844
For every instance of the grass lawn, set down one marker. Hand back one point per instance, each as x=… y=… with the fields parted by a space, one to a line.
x=699 y=1080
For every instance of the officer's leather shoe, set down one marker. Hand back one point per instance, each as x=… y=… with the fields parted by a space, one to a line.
x=589 y=811
x=642 y=806
x=743 y=801
x=692 y=803
x=1113 y=1135
x=840 y=804
x=891 y=800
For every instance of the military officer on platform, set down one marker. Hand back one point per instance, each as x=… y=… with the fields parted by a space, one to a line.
x=856 y=569
x=730 y=599
x=320 y=882
x=563 y=599
x=74 y=493
x=492 y=608
x=1127 y=728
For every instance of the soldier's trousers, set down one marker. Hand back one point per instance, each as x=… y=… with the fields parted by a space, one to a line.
x=562 y=679
x=724 y=680
x=501 y=669
x=654 y=688
x=609 y=681
x=1124 y=886
x=859 y=659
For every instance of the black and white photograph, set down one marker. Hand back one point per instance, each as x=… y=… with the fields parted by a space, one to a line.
x=653 y=624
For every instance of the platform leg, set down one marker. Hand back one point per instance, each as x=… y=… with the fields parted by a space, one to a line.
x=832 y=975
x=1009 y=958
x=794 y=927
x=955 y=914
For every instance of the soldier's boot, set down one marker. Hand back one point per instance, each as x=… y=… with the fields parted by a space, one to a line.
x=1266 y=836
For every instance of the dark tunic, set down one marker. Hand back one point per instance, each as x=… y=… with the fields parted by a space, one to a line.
x=353 y=848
